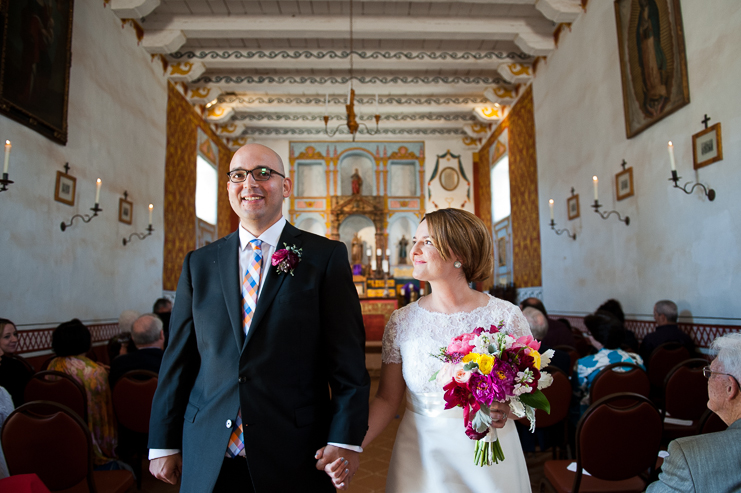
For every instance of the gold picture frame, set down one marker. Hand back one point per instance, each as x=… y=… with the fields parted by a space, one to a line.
x=125 y=211
x=449 y=178
x=707 y=147
x=624 y=184
x=65 y=189
x=572 y=206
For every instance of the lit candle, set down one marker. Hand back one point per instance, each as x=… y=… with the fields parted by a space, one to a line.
x=376 y=103
x=385 y=265
x=550 y=203
x=326 y=104
x=595 y=180
x=7 y=157
x=378 y=252
x=97 y=191
x=349 y=88
x=373 y=264
x=388 y=253
x=151 y=206
x=671 y=156
x=369 y=252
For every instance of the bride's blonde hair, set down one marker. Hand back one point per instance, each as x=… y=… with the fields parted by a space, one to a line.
x=465 y=236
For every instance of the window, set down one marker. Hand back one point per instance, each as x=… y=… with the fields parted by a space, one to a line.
x=500 y=203
x=206 y=191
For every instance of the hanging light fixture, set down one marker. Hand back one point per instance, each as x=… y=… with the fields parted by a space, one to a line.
x=352 y=123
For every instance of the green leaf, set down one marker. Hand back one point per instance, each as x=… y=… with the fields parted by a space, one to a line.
x=470 y=366
x=434 y=376
x=537 y=399
x=492 y=349
x=481 y=420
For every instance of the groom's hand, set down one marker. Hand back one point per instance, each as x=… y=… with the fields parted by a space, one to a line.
x=340 y=464
x=167 y=469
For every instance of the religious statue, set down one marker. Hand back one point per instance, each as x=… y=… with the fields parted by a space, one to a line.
x=357 y=250
x=357 y=183
x=403 y=243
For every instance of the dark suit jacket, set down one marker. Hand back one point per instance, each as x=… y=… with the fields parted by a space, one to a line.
x=307 y=332
x=662 y=334
x=142 y=359
x=558 y=334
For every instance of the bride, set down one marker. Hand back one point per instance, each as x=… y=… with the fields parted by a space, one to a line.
x=432 y=453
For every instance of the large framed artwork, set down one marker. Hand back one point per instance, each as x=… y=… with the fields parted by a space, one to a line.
x=653 y=64
x=35 y=63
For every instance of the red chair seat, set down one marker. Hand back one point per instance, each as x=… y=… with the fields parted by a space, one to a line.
x=562 y=480
x=108 y=481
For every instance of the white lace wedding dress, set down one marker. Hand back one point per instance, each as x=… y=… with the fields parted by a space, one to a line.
x=432 y=452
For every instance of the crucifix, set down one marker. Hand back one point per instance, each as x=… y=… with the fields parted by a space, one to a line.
x=705 y=121
x=126 y=195
x=66 y=168
x=623 y=164
x=572 y=191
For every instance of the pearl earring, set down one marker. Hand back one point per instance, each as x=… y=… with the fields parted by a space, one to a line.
x=457 y=264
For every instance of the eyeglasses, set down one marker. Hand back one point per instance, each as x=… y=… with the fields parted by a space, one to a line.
x=707 y=373
x=258 y=174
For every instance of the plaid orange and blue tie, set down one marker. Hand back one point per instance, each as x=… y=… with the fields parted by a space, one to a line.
x=250 y=286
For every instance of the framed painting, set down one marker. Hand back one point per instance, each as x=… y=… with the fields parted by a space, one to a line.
x=707 y=147
x=653 y=63
x=502 y=251
x=572 y=206
x=65 y=188
x=624 y=184
x=125 y=211
x=35 y=64
x=449 y=179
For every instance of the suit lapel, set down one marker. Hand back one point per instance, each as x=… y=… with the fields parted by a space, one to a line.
x=230 y=283
x=273 y=281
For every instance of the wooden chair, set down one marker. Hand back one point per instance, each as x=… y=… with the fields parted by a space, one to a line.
x=617 y=445
x=711 y=423
x=608 y=382
x=685 y=397
x=660 y=363
x=573 y=354
x=57 y=387
x=67 y=463
x=132 y=403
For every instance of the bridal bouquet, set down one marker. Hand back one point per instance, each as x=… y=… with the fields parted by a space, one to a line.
x=487 y=365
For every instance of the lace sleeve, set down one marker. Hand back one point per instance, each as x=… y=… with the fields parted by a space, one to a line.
x=391 y=352
x=519 y=324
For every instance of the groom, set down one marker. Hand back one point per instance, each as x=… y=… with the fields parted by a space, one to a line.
x=244 y=400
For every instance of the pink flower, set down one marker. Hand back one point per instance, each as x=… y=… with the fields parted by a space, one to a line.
x=286 y=259
x=526 y=341
x=445 y=375
x=473 y=434
x=455 y=395
x=460 y=375
x=461 y=344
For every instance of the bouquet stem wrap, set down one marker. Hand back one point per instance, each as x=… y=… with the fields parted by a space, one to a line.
x=488 y=450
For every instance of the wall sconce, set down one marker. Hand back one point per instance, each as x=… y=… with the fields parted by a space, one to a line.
x=5 y=181
x=709 y=192
x=597 y=205
x=87 y=218
x=553 y=224
x=142 y=236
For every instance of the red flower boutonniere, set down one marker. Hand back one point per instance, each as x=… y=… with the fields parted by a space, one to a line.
x=286 y=259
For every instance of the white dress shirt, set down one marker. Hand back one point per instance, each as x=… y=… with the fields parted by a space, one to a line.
x=269 y=239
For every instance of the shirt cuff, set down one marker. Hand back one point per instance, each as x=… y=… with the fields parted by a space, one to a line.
x=156 y=453
x=354 y=448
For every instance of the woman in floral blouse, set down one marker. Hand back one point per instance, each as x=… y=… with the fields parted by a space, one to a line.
x=71 y=341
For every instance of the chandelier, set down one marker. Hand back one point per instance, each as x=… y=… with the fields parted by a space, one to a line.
x=351 y=123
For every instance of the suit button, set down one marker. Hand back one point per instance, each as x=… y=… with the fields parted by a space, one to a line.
x=228 y=423
x=242 y=379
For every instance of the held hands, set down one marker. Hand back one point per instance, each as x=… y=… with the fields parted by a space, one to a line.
x=168 y=468
x=499 y=411
x=339 y=464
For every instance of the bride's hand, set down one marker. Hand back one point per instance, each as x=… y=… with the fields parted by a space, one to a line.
x=499 y=412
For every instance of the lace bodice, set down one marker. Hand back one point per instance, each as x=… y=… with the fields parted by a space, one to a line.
x=413 y=334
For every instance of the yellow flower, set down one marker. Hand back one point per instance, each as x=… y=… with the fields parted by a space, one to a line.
x=475 y=357
x=536 y=358
x=486 y=363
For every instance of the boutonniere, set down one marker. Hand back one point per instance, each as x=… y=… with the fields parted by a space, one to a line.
x=286 y=259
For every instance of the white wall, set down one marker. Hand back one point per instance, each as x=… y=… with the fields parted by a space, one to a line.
x=116 y=122
x=677 y=246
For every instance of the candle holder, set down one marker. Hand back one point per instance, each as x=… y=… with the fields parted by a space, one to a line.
x=605 y=215
x=86 y=218
x=5 y=182
x=709 y=192
x=141 y=236
x=562 y=231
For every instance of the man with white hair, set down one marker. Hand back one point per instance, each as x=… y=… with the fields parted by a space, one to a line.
x=711 y=462
x=539 y=328
x=149 y=338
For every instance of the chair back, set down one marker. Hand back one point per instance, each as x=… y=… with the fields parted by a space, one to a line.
x=57 y=387
x=665 y=357
x=608 y=381
x=559 y=397
x=132 y=399
x=40 y=426
x=686 y=390
x=29 y=366
x=711 y=423
x=617 y=443
x=573 y=354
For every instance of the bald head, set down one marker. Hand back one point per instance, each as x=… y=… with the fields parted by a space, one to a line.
x=537 y=321
x=251 y=156
x=147 y=332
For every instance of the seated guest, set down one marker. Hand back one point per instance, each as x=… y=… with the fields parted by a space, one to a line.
x=119 y=345
x=665 y=315
x=710 y=462
x=539 y=328
x=14 y=375
x=149 y=338
x=607 y=334
x=6 y=407
x=163 y=308
x=558 y=333
x=613 y=306
x=70 y=342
